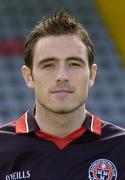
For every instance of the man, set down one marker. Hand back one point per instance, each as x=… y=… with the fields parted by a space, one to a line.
x=58 y=138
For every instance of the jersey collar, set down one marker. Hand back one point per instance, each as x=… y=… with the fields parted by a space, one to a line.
x=27 y=123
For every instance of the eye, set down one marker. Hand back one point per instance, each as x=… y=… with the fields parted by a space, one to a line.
x=48 y=66
x=75 y=64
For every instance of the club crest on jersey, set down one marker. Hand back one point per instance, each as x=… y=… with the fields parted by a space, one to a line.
x=102 y=169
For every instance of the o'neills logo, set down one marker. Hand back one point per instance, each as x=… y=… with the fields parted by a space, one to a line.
x=18 y=175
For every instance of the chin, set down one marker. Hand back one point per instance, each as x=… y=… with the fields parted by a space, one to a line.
x=64 y=110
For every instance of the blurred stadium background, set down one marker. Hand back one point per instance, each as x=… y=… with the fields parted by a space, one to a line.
x=105 y=22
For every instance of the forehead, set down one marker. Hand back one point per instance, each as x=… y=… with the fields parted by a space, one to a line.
x=60 y=46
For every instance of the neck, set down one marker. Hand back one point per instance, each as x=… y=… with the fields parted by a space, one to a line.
x=59 y=124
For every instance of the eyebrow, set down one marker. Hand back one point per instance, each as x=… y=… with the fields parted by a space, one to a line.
x=76 y=58
x=45 y=60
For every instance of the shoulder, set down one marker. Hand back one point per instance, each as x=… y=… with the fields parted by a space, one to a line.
x=107 y=126
x=112 y=131
x=8 y=128
x=8 y=136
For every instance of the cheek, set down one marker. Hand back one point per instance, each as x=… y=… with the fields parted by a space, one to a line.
x=82 y=79
x=42 y=82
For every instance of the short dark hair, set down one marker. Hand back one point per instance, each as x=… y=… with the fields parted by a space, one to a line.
x=59 y=23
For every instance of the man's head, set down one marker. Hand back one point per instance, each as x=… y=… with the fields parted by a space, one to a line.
x=59 y=23
x=59 y=63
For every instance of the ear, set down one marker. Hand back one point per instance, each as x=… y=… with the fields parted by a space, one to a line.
x=93 y=71
x=26 y=72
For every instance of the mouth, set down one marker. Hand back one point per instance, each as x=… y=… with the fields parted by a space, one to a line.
x=62 y=92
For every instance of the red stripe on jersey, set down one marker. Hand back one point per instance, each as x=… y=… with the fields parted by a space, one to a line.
x=96 y=125
x=62 y=142
x=21 y=126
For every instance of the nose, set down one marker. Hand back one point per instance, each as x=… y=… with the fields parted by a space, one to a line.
x=62 y=74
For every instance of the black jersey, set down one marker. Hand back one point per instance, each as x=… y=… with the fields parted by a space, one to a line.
x=93 y=152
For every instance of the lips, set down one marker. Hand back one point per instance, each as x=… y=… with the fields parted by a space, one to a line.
x=62 y=91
